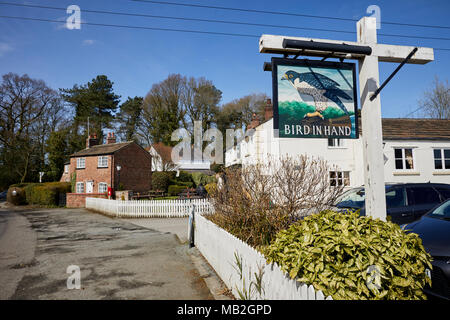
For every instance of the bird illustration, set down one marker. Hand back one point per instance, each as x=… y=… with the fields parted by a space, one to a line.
x=320 y=87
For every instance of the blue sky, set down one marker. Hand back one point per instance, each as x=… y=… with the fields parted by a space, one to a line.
x=135 y=59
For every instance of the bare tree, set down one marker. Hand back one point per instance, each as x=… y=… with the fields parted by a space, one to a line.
x=436 y=102
x=29 y=110
x=259 y=200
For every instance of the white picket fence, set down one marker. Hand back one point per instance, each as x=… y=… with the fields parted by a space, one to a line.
x=220 y=249
x=148 y=208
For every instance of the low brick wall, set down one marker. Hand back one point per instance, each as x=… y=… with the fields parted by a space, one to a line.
x=78 y=200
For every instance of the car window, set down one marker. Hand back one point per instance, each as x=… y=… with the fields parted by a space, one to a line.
x=445 y=192
x=423 y=195
x=352 y=199
x=395 y=198
x=442 y=212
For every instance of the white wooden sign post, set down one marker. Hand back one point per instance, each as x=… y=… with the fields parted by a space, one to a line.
x=372 y=139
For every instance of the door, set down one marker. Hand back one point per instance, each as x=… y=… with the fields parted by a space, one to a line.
x=396 y=206
x=423 y=199
x=89 y=186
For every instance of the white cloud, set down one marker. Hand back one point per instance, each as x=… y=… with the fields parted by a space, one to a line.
x=88 y=42
x=4 y=48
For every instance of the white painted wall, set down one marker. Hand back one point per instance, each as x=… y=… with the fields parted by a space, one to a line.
x=349 y=157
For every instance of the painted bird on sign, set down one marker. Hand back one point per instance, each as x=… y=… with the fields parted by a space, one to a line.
x=320 y=87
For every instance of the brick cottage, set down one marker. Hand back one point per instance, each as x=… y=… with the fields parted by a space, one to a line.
x=119 y=165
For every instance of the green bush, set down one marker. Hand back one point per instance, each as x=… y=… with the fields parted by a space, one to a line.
x=184 y=176
x=188 y=184
x=161 y=180
x=19 y=198
x=201 y=178
x=46 y=194
x=174 y=190
x=334 y=252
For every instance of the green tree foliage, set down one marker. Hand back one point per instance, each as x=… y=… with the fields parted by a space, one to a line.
x=129 y=117
x=58 y=153
x=95 y=100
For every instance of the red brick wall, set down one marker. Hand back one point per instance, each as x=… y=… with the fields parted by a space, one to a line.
x=136 y=172
x=91 y=172
x=78 y=200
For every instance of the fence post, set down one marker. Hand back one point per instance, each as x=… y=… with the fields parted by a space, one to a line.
x=191 y=227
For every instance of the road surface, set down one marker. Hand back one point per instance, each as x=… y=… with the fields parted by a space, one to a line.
x=117 y=259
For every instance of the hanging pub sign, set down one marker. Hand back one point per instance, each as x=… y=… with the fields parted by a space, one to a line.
x=314 y=99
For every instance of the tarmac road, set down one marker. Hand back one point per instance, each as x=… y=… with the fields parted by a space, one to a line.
x=117 y=259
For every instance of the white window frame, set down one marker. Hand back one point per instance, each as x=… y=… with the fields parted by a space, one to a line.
x=66 y=168
x=101 y=161
x=81 y=163
x=78 y=187
x=341 y=178
x=403 y=158
x=442 y=159
x=336 y=143
x=101 y=184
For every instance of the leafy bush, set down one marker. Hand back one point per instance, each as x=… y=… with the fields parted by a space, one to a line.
x=201 y=178
x=184 y=176
x=336 y=252
x=174 y=190
x=19 y=198
x=211 y=188
x=161 y=180
x=187 y=184
x=46 y=194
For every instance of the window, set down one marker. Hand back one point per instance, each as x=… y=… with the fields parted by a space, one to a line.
x=424 y=195
x=103 y=162
x=339 y=178
x=445 y=193
x=404 y=158
x=66 y=168
x=395 y=198
x=80 y=187
x=441 y=159
x=81 y=163
x=332 y=142
x=102 y=187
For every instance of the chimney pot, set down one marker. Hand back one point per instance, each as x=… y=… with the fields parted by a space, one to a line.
x=110 y=138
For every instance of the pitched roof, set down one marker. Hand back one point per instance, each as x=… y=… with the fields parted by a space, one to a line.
x=164 y=151
x=102 y=149
x=415 y=129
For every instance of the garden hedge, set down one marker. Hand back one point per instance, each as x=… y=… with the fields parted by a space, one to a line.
x=161 y=180
x=46 y=194
x=174 y=190
x=352 y=257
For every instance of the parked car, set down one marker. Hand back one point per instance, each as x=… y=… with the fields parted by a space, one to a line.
x=434 y=230
x=405 y=202
x=3 y=195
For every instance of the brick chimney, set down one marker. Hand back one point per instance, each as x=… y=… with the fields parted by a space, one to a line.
x=111 y=138
x=255 y=121
x=268 y=110
x=91 y=141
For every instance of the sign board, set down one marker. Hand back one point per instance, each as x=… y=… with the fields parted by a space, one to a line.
x=314 y=99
